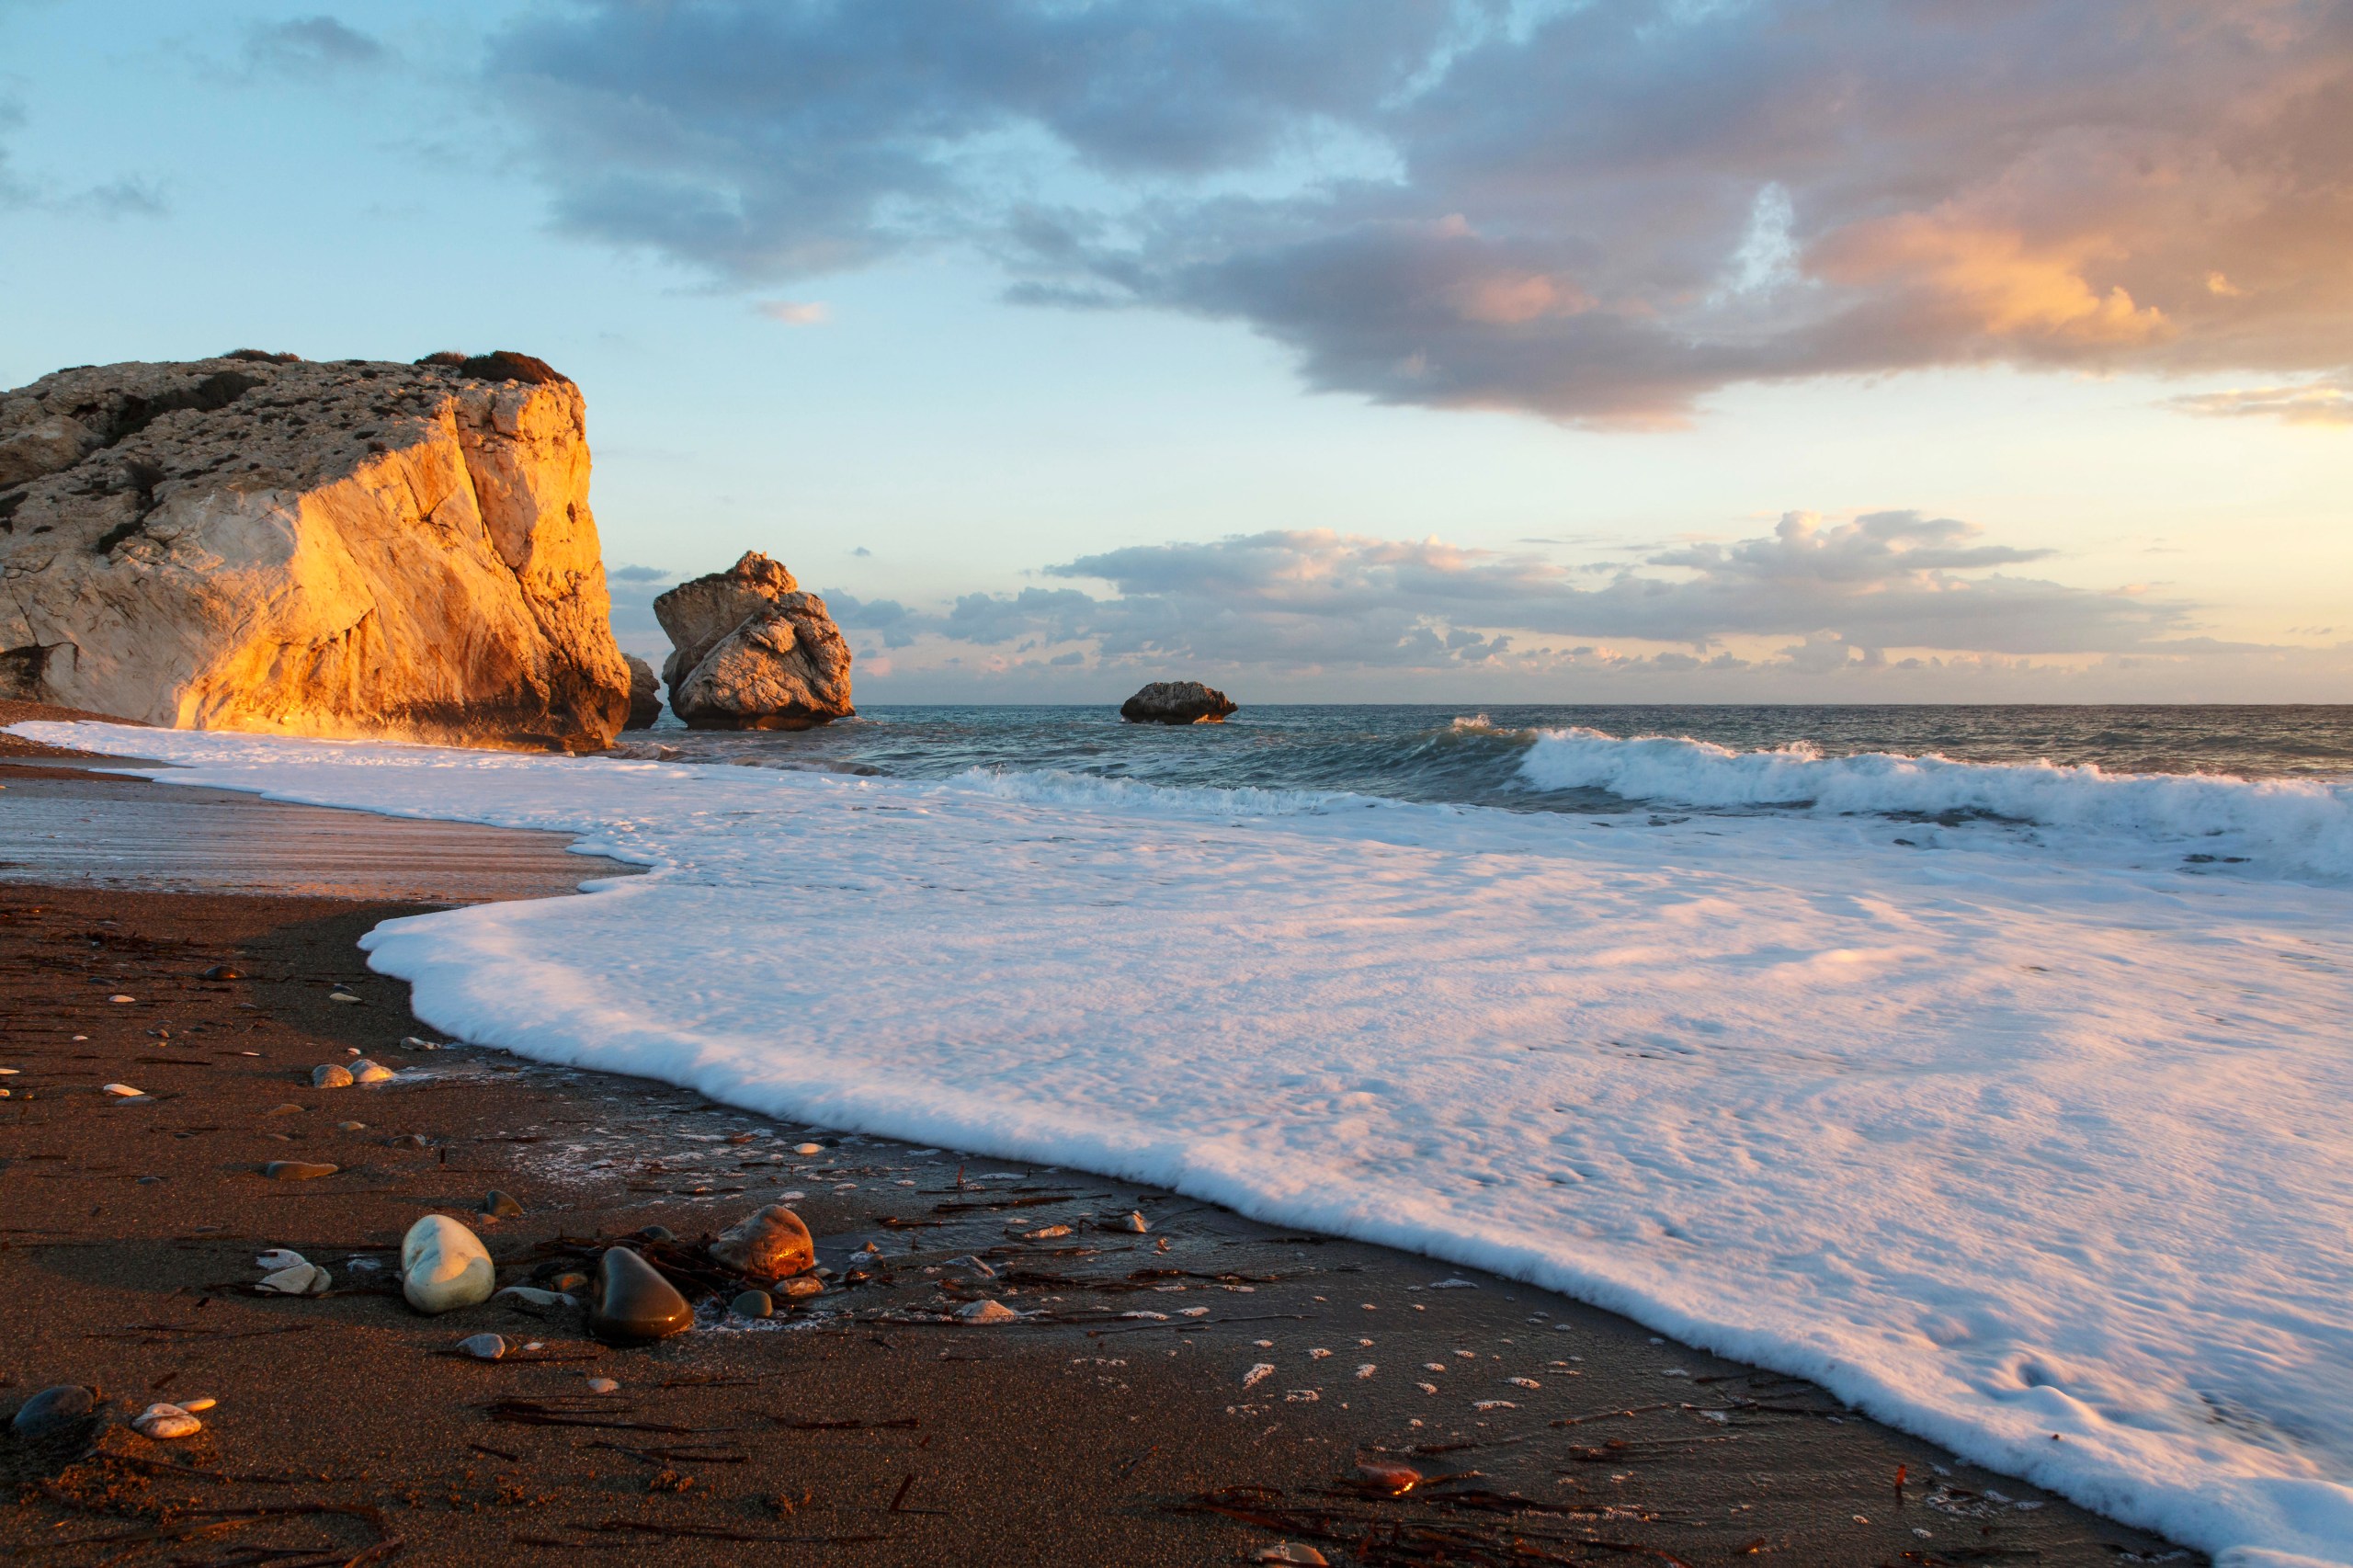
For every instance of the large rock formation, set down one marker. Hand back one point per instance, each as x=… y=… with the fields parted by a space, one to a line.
x=1176 y=702
x=644 y=694
x=749 y=651
x=255 y=542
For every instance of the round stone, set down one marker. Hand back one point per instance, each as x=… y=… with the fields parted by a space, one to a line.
x=570 y=1283
x=330 y=1075
x=753 y=1304
x=365 y=1072
x=499 y=1205
x=482 y=1346
x=768 y=1245
x=297 y=1170
x=985 y=1311
x=603 y=1385
x=52 y=1410
x=800 y=1287
x=351 y=1126
x=225 y=971
x=631 y=1303
x=444 y=1266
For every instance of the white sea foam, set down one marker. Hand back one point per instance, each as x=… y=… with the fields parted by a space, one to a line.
x=2031 y=1143
x=2293 y=826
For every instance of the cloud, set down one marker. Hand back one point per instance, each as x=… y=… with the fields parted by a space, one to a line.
x=130 y=196
x=793 y=312
x=2327 y=402
x=1596 y=213
x=640 y=574
x=311 y=46
x=1320 y=599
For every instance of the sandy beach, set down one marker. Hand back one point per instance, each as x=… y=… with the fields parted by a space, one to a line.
x=1122 y=1419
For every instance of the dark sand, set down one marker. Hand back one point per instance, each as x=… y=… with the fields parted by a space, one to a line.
x=852 y=1432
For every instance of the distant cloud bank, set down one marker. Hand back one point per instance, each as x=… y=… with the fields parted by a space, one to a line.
x=1594 y=213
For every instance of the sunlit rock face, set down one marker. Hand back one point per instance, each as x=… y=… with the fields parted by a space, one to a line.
x=354 y=549
x=750 y=651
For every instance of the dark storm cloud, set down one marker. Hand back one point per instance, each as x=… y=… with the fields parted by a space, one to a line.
x=1315 y=598
x=1596 y=212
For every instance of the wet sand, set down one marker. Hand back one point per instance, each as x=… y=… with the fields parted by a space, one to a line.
x=860 y=1425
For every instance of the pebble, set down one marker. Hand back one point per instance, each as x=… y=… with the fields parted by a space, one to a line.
x=753 y=1304
x=632 y=1303
x=1045 y=1233
x=165 y=1422
x=603 y=1385
x=501 y=1207
x=365 y=1072
x=122 y=1091
x=118 y=996
x=482 y=1346
x=406 y=1140
x=531 y=1296
x=290 y=1109
x=330 y=1075
x=52 y=1410
x=444 y=1266
x=10 y=1071
x=985 y=1311
x=1291 y=1552
x=796 y=1148
x=974 y=1264
x=224 y=971
x=1390 y=1475
x=198 y=1407
x=410 y=1042
x=296 y=1280
x=351 y=1126
x=297 y=1170
x=570 y=1284
x=277 y=1258
x=800 y=1287
x=1134 y=1223
x=769 y=1244
x=1259 y=1373
x=340 y=996
x=657 y=1234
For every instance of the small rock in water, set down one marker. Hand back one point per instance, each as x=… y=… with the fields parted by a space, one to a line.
x=296 y=1280
x=768 y=1245
x=603 y=1385
x=753 y=1304
x=501 y=1207
x=365 y=1072
x=330 y=1075
x=52 y=1410
x=1389 y=1476
x=482 y=1346
x=224 y=971
x=122 y=1091
x=297 y=1170
x=800 y=1287
x=1293 y=1552
x=985 y=1311
x=165 y=1422
x=339 y=995
x=631 y=1303
x=444 y=1266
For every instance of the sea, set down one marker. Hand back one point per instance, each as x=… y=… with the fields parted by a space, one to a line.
x=1989 y=1066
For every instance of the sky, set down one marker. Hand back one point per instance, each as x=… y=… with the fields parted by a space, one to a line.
x=1349 y=350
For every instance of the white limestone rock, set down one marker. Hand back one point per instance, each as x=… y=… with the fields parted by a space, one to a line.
x=444 y=1266
x=254 y=542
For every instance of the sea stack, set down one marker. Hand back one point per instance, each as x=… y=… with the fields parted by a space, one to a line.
x=348 y=548
x=1177 y=702
x=750 y=651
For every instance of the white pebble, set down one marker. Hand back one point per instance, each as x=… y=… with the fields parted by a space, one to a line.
x=165 y=1422
x=1257 y=1374
x=123 y=1091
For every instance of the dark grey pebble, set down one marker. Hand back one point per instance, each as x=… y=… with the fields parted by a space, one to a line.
x=753 y=1304
x=225 y=971
x=657 y=1234
x=631 y=1303
x=52 y=1410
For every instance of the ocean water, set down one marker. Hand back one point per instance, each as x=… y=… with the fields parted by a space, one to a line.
x=2001 y=1091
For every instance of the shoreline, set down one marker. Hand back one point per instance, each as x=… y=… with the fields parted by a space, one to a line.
x=1050 y=1440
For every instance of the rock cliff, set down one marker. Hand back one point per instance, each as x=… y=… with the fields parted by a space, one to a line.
x=750 y=651
x=348 y=548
